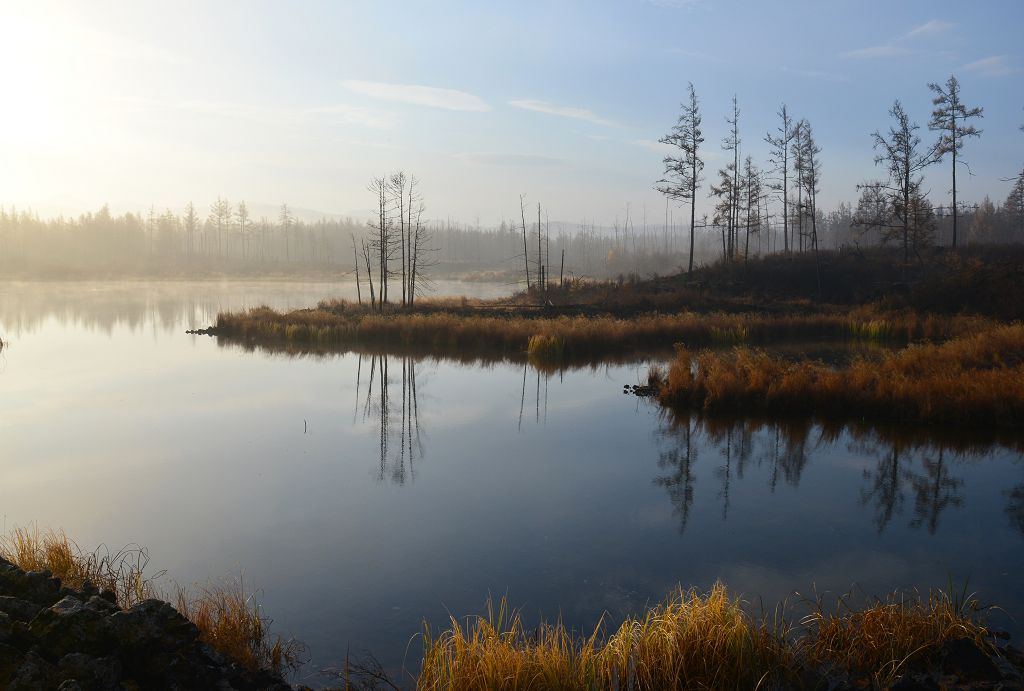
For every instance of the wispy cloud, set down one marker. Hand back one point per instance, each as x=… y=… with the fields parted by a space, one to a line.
x=652 y=145
x=993 y=66
x=898 y=46
x=432 y=97
x=871 y=52
x=678 y=4
x=355 y=115
x=516 y=160
x=816 y=74
x=932 y=27
x=561 y=111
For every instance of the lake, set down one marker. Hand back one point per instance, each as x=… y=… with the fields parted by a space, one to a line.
x=364 y=494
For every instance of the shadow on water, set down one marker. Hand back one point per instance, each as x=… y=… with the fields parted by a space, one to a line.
x=906 y=467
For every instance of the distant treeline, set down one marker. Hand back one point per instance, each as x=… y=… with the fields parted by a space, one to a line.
x=227 y=242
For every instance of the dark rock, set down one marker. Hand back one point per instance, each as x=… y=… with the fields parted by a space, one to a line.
x=109 y=595
x=34 y=673
x=967 y=661
x=916 y=682
x=37 y=587
x=91 y=672
x=54 y=637
x=19 y=610
x=68 y=627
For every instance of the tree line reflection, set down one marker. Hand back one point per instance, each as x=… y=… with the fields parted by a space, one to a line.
x=910 y=475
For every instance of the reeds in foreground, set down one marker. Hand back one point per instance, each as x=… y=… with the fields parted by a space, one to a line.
x=228 y=619
x=975 y=379
x=704 y=642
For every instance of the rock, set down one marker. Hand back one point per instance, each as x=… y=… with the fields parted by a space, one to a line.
x=33 y=674
x=69 y=626
x=916 y=682
x=55 y=637
x=19 y=610
x=92 y=672
x=967 y=661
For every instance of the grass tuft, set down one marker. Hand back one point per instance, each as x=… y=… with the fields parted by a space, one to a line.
x=228 y=618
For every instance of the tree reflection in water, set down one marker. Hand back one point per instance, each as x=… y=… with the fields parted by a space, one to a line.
x=396 y=465
x=899 y=463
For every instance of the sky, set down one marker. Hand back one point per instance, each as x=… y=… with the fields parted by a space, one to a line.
x=562 y=101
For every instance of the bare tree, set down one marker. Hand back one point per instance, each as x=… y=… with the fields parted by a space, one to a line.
x=682 y=172
x=383 y=242
x=242 y=217
x=220 y=217
x=726 y=193
x=191 y=224
x=779 y=156
x=287 y=221
x=731 y=142
x=950 y=118
x=811 y=178
x=894 y=205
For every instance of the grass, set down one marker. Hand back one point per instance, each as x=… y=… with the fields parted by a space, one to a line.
x=891 y=636
x=701 y=641
x=975 y=379
x=443 y=329
x=229 y=619
x=121 y=572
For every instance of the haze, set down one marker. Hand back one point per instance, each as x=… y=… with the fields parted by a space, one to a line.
x=157 y=104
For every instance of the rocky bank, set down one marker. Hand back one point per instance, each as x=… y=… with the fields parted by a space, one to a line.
x=55 y=637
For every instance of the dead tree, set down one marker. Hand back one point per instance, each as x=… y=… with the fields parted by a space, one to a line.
x=950 y=118
x=779 y=156
x=682 y=172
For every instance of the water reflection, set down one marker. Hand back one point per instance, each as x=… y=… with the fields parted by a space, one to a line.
x=900 y=464
x=396 y=465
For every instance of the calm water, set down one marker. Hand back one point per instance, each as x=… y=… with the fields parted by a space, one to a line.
x=556 y=490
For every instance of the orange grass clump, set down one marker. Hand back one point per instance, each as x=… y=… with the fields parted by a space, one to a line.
x=232 y=622
x=892 y=636
x=972 y=379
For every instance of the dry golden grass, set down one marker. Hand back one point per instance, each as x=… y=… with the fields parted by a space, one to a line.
x=695 y=641
x=972 y=379
x=480 y=328
x=228 y=619
x=232 y=622
x=889 y=637
x=121 y=572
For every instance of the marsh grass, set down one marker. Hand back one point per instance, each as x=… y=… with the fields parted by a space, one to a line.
x=886 y=638
x=700 y=641
x=228 y=617
x=484 y=329
x=975 y=379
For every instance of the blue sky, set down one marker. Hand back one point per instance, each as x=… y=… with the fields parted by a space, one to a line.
x=563 y=101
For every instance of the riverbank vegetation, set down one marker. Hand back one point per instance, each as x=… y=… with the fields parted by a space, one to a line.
x=973 y=379
x=708 y=640
x=229 y=618
x=691 y=640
